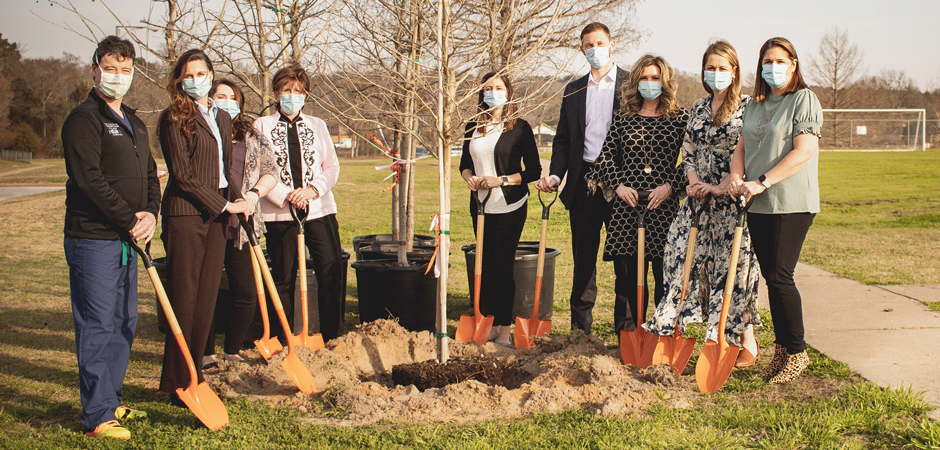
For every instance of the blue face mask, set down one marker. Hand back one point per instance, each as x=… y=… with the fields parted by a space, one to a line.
x=650 y=90
x=775 y=75
x=717 y=81
x=197 y=88
x=495 y=99
x=292 y=103
x=598 y=56
x=229 y=106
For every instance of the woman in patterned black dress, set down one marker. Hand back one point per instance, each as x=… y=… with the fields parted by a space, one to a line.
x=640 y=154
x=710 y=138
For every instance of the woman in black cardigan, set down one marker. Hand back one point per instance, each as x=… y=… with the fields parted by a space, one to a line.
x=495 y=149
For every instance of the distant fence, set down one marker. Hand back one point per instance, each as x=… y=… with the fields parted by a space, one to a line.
x=14 y=155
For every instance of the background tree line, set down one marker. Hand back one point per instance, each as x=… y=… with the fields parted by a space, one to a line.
x=373 y=63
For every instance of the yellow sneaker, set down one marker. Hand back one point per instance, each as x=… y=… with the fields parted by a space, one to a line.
x=110 y=429
x=123 y=413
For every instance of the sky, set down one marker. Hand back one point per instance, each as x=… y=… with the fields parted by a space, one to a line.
x=897 y=35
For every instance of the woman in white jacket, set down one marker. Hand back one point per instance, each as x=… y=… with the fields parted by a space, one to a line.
x=306 y=172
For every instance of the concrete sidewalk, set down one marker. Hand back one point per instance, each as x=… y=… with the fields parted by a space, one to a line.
x=7 y=193
x=882 y=332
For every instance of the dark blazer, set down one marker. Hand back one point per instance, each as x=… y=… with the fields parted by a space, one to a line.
x=568 y=144
x=112 y=175
x=514 y=149
x=193 y=163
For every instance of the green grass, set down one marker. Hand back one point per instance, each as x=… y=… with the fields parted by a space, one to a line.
x=828 y=408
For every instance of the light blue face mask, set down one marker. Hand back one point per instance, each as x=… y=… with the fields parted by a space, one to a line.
x=598 y=56
x=197 y=88
x=292 y=103
x=717 y=81
x=229 y=106
x=495 y=99
x=775 y=75
x=650 y=90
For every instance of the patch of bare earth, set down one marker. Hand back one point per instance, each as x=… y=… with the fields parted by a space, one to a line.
x=354 y=376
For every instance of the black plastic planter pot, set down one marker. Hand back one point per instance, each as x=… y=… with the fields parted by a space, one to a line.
x=524 y=270
x=390 y=251
x=402 y=292
x=371 y=239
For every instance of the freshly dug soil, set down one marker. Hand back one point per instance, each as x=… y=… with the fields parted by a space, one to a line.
x=380 y=371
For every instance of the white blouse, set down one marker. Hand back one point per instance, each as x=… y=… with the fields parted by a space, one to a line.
x=482 y=151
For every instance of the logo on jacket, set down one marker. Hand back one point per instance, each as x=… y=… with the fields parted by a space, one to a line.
x=114 y=129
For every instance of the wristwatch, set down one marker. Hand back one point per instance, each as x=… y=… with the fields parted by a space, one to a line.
x=505 y=180
x=763 y=180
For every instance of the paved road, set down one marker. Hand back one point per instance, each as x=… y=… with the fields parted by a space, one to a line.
x=882 y=332
x=7 y=193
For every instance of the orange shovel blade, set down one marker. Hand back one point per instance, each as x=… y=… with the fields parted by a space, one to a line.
x=665 y=348
x=521 y=336
x=474 y=328
x=484 y=324
x=268 y=347
x=465 y=329
x=636 y=347
x=714 y=366
x=205 y=405
x=313 y=342
x=682 y=351
x=298 y=373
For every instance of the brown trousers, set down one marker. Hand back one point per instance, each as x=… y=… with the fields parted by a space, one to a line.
x=195 y=251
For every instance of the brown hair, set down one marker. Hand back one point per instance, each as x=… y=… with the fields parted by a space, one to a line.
x=631 y=100
x=761 y=88
x=287 y=75
x=508 y=115
x=595 y=26
x=733 y=99
x=241 y=125
x=113 y=45
x=182 y=110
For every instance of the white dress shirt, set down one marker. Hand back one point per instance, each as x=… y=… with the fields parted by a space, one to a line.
x=599 y=112
x=210 y=114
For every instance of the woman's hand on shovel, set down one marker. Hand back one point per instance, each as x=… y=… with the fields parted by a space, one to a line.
x=144 y=228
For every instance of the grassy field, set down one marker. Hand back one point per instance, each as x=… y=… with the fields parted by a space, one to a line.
x=879 y=225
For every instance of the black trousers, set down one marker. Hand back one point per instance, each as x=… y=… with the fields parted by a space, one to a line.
x=588 y=215
x=778 y=240
x=321 y=237
x=244 y=300
x=195 y=248
x=625 y=267
x=501 y=234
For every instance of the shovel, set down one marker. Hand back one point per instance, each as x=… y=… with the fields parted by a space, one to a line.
x=267 y=345
x=637 y=346
x=314 y=342
x=291 y=363
x=198 y=397
x=718 y=358
x=476 y=327
x=676 y=350
x=528 y=329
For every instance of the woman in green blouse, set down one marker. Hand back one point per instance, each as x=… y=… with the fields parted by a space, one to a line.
x=778 y=155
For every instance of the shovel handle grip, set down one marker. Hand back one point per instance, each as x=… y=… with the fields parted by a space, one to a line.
x=545 y=208
x=299 y=215
x=481 y=204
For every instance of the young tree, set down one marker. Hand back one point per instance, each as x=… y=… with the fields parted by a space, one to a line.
x=835 y=71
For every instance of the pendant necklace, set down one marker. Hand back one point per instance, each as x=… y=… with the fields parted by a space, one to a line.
x=649 y=168
x=760 y=134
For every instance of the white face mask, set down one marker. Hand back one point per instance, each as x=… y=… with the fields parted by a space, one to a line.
x=292 y=103
x=113 y=85
x=718 y=81
x=197 y=88
x=598 y=57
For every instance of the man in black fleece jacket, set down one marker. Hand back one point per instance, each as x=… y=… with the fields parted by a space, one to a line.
x=112 y=195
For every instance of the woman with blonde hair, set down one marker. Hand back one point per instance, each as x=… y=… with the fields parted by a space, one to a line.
x=775 y=164
x=640 y=154
x=710 y=138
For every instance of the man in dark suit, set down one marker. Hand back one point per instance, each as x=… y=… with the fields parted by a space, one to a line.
x=587 y=110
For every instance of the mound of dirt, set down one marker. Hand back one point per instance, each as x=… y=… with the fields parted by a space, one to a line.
x=358 y=382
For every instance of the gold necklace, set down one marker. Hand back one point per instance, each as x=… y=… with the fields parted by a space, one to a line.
x=649 y=167
x=760 y=134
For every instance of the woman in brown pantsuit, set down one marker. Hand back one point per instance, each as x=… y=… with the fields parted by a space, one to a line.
x=197 y=142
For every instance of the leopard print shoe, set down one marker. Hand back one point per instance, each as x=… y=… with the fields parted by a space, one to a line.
x=794 y=367
x=777 y=362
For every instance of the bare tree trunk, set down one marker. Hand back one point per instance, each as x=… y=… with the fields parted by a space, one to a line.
x=169 y=33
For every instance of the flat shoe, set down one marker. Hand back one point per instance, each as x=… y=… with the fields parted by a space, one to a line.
x=746 y=358
x=210 y=365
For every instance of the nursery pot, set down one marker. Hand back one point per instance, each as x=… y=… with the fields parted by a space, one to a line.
x=406 y=293
x=524 y=269
x=390 y=251
x=370 y=239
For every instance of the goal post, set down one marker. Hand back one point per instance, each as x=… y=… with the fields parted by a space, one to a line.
x=874 y=130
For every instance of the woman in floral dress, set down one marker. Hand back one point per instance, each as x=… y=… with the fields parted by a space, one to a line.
x=710 y=139
x=640 y=154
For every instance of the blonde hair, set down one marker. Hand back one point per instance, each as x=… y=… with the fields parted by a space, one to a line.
x=733 y=99
x=632 y=101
